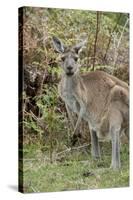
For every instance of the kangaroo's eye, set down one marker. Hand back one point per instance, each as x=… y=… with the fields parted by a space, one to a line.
x=76 y=58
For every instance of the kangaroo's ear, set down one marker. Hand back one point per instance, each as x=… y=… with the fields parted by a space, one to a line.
x=58 y=45
x=79 y=46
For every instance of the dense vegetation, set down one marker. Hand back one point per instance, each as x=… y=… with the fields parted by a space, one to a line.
x=46 y=127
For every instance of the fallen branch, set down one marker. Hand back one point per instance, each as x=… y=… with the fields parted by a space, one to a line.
x=73 y=148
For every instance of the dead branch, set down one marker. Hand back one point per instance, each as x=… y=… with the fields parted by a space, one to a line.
x=116 y=46
x=95 y=44
x=110 y=38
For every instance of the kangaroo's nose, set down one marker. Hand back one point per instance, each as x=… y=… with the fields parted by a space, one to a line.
x=69 y=67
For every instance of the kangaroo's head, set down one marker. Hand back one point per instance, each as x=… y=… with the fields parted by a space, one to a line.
x=69 y=56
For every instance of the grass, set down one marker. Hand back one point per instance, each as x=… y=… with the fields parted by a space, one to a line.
x=76 y=172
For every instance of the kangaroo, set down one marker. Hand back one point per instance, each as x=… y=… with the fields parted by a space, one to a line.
x=97 y=97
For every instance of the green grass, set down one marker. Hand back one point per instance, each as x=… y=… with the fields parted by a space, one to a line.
x=76 y=172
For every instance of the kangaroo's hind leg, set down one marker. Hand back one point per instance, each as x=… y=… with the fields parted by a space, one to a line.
x=115 y=130
x=95 y=147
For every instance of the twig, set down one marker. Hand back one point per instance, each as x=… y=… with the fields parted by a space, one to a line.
x=80 y=147
x=34 y=117
x=34 y=190
x=38 y=120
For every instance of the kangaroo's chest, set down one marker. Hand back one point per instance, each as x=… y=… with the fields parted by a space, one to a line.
x=67 y=92
x=71 y=101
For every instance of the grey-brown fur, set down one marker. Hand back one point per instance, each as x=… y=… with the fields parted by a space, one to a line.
x=97 y=97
